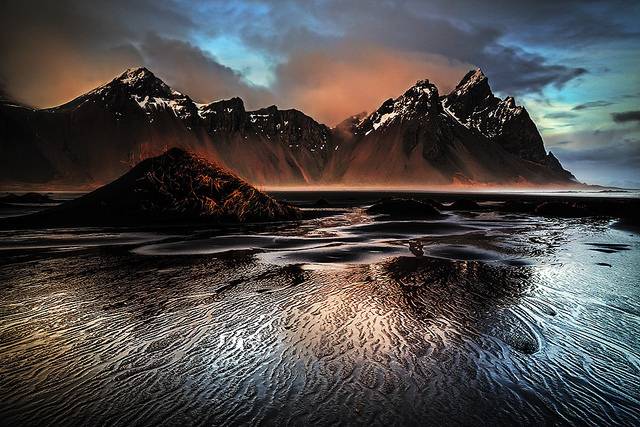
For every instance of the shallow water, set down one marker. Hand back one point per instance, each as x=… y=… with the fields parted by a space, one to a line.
x=346 y=319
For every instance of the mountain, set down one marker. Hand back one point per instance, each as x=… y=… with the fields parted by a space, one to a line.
x=100 y=135
x=501 y=121
x=174 y=187
x=419 y=138
x=466 y=137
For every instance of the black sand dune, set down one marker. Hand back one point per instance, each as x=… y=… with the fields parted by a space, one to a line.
x=176 y=187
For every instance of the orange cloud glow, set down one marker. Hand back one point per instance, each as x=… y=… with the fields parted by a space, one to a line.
x=332 y=85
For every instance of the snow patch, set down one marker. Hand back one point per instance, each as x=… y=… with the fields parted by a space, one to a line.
x=453 y=116
x=384 y=119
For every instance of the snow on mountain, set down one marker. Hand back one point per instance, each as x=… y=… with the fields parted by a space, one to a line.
x=419 y=137
x=473 y=104
x=418 y=101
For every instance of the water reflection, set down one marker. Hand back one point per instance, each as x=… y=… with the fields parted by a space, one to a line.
x=511 y=320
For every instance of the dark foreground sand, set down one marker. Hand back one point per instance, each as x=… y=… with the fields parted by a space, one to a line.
x=342 y=317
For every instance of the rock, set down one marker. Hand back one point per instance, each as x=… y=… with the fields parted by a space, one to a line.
x=517 y=206
x=31 y=198
x=562 y=209
x=322 y=203
x=436 y=204
x=176 y=187
x=464 y=205
x=404 y=208
x=420 y=137
x=502 y=121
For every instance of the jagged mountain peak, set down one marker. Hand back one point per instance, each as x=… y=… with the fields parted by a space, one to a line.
x=502 y=121
x=273 y=111
x=423 y=89
x=349 y=125
x=135 y=74
x=231 y=104
x=419 y=101
x=137 y=89
x=424 y=84
x=474 y=78
x=474 y=86
x=418 y=136
x=141 y=82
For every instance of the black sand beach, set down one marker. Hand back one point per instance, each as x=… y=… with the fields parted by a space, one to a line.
x=340 y=317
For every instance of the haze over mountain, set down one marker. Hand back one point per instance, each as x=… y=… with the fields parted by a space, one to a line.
x=420 y=138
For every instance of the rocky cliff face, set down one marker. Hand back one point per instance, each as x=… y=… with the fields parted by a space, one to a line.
x=501 y=121
x=418 y=138
x=466 y=137
x=100 y=135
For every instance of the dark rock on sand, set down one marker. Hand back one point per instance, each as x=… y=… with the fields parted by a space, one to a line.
x=30 y=198
x=322 y=203
x=517 y=206
x=176 y=187
x=562 y=209
x=464 y=205
x=404 y=208
x=436 y=204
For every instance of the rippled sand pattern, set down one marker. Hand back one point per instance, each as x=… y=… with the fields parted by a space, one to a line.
x=340 y=320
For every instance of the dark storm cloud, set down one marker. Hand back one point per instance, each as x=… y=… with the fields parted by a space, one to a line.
x=561 y=115
x=414 y=27
x=54 y=51
x=196 y=73
x=592 y=104
x=550 y=22
x=514 y=71
x=621 y=153
x=626 y=116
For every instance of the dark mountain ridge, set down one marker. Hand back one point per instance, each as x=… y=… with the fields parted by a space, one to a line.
x=420 y=138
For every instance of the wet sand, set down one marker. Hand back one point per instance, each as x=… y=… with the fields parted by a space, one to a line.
x=341 y=318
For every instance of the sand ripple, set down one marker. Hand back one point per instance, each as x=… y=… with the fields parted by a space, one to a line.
x=475 y=320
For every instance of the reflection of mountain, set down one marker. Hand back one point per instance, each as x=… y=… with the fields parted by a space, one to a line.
x=418 y=138
x=469 y=291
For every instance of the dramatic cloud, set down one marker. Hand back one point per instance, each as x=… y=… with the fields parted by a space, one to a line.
x=518 y=72
x=626 y=116
x=413 y=27
x=561 y=115
x=592 y=104
x=54 y=51
x=191 y=70
x=332 y=85
x=334 y=58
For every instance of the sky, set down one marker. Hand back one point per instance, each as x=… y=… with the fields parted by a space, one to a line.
x=573 y=64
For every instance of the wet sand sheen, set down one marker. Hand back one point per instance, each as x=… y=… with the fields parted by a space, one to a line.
x=345 y=319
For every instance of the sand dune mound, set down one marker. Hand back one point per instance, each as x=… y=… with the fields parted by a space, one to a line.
x=174 y=187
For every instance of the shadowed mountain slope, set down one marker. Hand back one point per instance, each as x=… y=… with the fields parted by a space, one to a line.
x=420 y=138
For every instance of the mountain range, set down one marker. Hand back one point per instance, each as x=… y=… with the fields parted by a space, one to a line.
x=468 y=136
